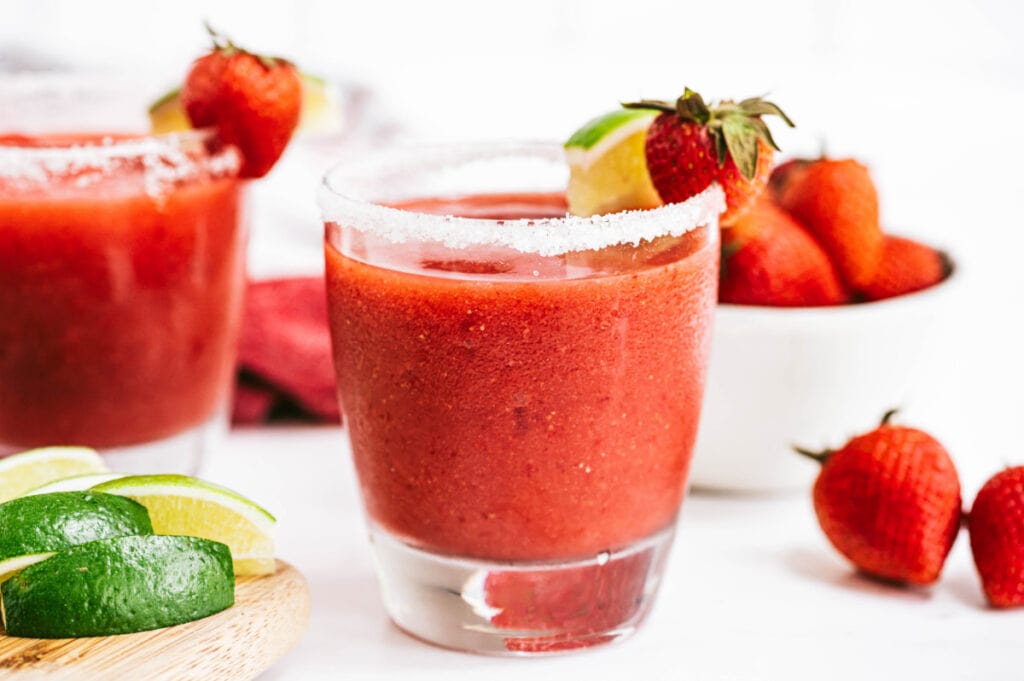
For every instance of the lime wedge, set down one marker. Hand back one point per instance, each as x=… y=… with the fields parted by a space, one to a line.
x=119 y=586
x=21 y=472
x=608 y=166
x=182 y=505
x=75 y=483
x=31 y=527
x=320 y=113
x=167 y=114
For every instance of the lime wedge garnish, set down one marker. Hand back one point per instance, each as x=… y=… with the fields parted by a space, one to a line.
x=320 y=112
x=608 y=166
x=182 y=505
x=119 y=586
x=44 y=523
x=22 y=472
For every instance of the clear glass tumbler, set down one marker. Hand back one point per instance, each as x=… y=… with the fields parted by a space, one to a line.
x=521 y=389
x=121 y=278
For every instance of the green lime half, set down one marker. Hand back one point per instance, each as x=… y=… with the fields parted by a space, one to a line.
x=52 y=522
x=119 y=586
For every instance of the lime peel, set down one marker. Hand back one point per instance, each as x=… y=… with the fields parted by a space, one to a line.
x=172 y=485
x=592 y=140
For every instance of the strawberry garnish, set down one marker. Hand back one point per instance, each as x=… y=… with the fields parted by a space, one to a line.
x=996 y=527
x=889 y=500
x=252 y=101
x=691 y=144
x=769 y=259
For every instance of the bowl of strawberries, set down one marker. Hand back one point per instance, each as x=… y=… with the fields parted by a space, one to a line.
x=823 y=318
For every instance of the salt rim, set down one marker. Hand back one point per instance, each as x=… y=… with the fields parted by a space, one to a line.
x=545 y=237
x=166 y=159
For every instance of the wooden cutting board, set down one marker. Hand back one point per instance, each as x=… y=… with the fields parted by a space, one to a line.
x=269 y=616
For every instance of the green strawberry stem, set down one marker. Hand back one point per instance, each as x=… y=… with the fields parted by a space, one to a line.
x=821 y=457
x=734 y=127
x=227 y=47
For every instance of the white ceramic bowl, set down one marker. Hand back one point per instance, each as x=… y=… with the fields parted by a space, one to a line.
x=811 y=377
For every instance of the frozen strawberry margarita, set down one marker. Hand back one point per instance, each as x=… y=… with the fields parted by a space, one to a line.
x=121 y=273
x=521 y=389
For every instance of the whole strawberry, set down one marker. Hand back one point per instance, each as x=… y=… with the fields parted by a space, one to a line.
x=837 y=201
x=996 y=528
x=906 y=266
x=889 y=500
x=691 y=144
x=769 y=259
x=253 y=101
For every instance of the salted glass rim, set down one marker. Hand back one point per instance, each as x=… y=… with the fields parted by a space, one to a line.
x=60 y=148
x=345 y=199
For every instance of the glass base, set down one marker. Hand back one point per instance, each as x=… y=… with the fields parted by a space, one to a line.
x=182 y=453
x=519 y=608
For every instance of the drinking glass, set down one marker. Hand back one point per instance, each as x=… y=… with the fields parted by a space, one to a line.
x=520 y=388
x=121 y=277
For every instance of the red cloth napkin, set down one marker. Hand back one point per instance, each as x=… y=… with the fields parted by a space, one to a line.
x=284 y=353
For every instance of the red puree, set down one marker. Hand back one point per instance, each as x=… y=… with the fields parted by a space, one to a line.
x=118 y=310
x=524 y=417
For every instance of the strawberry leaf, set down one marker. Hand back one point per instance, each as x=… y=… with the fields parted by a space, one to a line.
x=741 y=140
x=755 y=106
x=764 y=133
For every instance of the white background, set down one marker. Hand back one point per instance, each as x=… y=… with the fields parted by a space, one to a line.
x=929 y=94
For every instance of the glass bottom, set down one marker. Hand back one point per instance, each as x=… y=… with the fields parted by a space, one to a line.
x=519 y=608
x=181 y=453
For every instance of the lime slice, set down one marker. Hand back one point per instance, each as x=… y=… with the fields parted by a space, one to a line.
x=75 y=483
x=179 y=504
x=607 y=164
x=28 y=470
x=167 y=114
x=34 y=525
x=119 y=586
x=321 y=106
x=320 y=113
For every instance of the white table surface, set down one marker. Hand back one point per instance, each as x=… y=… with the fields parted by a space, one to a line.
x=752 y=591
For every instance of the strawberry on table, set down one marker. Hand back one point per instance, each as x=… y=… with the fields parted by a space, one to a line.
x=889 y=500
x=691 y=144
x=996 y=528
x=837 y=201
x=254 y=102
x=769 y=259
x=906 y=266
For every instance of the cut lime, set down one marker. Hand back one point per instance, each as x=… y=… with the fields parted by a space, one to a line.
x=320 y=112
x=167 y=114
x=44 y=523
x=21 y=472
x=182 y=505
x=119 y=586
x=608 y=166
x=75 y=483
